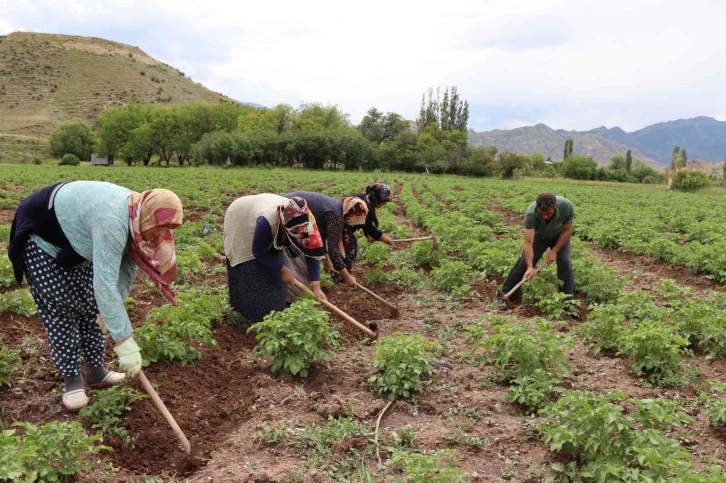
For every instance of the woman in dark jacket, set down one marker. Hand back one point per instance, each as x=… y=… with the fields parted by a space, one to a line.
x=376 y=195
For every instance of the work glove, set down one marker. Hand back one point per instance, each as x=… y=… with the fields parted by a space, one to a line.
x=129 y=357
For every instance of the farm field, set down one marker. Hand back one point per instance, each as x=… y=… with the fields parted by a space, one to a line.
x=625 y=386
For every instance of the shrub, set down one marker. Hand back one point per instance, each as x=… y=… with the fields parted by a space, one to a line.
x=422 y=254
x=655 y=350
x=434 y=468
x=686 y=179
x=578 y=167
x=295 y=337
x=533 y=390
x=453 y=277
x=18 y=302
x=605 y=324
x=703 y=325
x=189 y=322
x=376 y=254
x=516 y=353
x=9 y=363
x=7 y=276
x=106 y=412
x=401 y=360
x=605 y=443
x=715 y=403
x=69 y=160
x=51 y=452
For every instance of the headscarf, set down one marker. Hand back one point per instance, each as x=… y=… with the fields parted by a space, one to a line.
x=354 y=211
x=292 y=213
x=379 y=192
x=157 y=258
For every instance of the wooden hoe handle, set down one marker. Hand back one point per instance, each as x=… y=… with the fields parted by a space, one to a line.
x=165 y=412
x=335 y=309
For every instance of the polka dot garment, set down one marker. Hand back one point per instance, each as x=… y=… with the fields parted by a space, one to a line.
x=68 y=310
x=255 y=292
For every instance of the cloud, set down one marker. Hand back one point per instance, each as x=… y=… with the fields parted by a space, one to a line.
x=570 y=64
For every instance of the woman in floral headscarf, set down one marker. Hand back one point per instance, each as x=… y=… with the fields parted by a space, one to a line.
x=337 y=219
x=257 y=231
x=79 y=245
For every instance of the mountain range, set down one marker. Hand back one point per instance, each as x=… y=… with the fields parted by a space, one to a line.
x=704 y=139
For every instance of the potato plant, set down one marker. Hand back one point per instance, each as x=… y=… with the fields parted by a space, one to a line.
x=295 y=337
x=403 y=361
x=52 y=452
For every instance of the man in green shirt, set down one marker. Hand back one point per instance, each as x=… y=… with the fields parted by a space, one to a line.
x=547 y=224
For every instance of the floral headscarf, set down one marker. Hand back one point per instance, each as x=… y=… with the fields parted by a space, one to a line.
x=293 y=213
x=354 y=211
x=158 y=208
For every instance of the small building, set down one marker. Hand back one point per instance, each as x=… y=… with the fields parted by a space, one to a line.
x=100 y=161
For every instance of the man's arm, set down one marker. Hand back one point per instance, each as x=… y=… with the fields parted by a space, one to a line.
x=564 y=238
x=528 y=249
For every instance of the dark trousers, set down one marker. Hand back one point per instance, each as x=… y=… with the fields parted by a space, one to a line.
x=67 y=309
x=565 y=273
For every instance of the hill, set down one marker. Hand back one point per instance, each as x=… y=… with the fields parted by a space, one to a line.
x=543 y=139
x=46 y=79
x=704 y=138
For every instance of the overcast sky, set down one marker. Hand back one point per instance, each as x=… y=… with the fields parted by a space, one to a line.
x=572 y=64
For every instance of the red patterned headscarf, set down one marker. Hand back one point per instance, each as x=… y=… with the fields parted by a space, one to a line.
x=297 y=225
x=158 y=208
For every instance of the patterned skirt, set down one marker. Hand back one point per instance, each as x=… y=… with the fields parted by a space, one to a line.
x=255 y=292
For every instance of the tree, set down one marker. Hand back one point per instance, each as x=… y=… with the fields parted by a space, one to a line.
x=280 y=117
x=569 y=146
x=675 y=156
x=479 y=162
x=402 y=153
x=74 y=137
x=318 y=117
x=641 y=171
x=628 y=160
x=114 y=130
x=618 y=162
x=379 y=128
x=449 y=114
x=683 y=162
x=537 y=161
x=578 y=167
x=724 y=168
x=508 y=163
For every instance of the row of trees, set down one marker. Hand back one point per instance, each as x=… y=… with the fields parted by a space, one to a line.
x=321 y=136
x=622 y=168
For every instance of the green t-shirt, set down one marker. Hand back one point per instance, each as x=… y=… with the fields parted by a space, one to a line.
x=563 y=216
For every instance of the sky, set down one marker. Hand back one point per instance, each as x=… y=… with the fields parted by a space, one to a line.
x=571 y=64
